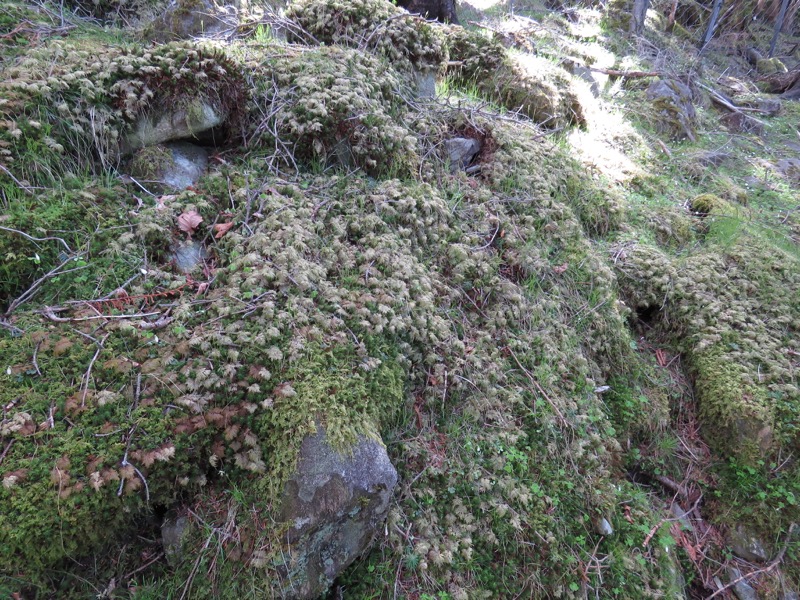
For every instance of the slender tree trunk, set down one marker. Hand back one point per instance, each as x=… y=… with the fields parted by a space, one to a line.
x=778 y=27
x=712 y=24
x=639 y=14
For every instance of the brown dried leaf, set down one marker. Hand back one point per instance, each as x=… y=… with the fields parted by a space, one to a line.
x=222 y=229
x=560 y=269
x=189 y=220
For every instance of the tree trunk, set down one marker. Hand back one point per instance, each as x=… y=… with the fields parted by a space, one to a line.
x=712 y=24
x=778 y=27
x=639 y=14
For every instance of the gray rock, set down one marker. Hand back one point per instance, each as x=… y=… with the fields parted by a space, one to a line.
x=745 y=544
x=673 y=103
x=461 y=151
x=742 y=123
x=334 y=503
x=189 y=163
x=712 y=158
x=168 y=167
x=742 y=589
x=585 y=73
x=188 y=255
x=172 y=124
x=681 y=515
x=603 y=527
x=173 y=534
x=790 y=168
x=426 y=84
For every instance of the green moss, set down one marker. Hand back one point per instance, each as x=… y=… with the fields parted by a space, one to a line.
x=69 y=103
x=148 y=163
x=338 y=106
x=527 y=84
x=374 y=25
x=737 y=413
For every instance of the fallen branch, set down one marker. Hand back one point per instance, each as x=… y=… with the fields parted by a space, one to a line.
x=28 y=294
x=721 y=100
x=49 y=312
x=88 y=375
x=626 y=74
x=8 y=447
x=35 y=239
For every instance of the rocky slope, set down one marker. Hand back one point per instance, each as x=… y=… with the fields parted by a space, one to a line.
x=334 y=299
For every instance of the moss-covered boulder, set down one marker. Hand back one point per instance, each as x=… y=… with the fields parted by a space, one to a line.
x=675 y=115
x=373 y=25
x=334 y=105
x=71 y=105
x=529 y=85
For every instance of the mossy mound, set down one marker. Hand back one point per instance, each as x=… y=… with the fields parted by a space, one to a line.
x=373 y=25
x=736 y=315
x=335 y=105
x=529 y=85
x=68 y=104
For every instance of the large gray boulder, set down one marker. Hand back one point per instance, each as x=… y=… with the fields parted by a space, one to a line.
x=335 y=503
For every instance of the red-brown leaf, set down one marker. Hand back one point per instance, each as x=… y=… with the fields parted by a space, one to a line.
x=222 y=229
x=189 y=220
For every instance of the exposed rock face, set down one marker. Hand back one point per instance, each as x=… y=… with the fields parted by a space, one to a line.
x=335 y=503
x=176 y=123
x=673 y=101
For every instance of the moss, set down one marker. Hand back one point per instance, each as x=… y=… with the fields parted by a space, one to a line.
x=737 y=416
x=338 y=105
x=527 y=84
x=375 y=25
x=72 y=116
x=148 y=163
x=770 y=66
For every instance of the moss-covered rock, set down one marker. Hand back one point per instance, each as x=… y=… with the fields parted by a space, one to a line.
x=373 y=25
x=770 y=66
x=526 y=84
x=72 y=115
x=335 y=105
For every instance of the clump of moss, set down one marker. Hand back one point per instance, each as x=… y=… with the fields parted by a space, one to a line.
x=527 y=84
x=338 y=105
x=73 y=114
x=375 y=25
x=646 y=275
x=705 y=204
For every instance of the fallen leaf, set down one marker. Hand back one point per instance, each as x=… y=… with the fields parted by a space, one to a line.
x=189 y=220
x=560 y=269
x=222 y=229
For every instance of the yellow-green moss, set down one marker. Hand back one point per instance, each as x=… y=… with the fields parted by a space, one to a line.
x=737 y=417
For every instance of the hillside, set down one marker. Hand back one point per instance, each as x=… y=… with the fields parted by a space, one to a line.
x=330 y=300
